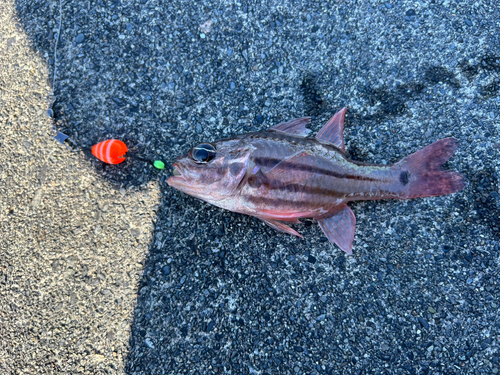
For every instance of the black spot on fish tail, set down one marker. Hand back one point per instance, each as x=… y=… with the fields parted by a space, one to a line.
x=404 y=177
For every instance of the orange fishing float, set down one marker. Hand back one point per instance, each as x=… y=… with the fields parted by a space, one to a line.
x=111 y=151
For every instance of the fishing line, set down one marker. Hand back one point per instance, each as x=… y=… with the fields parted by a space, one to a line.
x=51 y=98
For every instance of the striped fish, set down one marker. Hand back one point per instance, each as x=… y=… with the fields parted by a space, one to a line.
x=281 y=175
x=111 y=151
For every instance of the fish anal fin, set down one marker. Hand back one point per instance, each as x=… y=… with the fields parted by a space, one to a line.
x=340 y=228
x=333 y=131
x=295 y=127
x=281 y=227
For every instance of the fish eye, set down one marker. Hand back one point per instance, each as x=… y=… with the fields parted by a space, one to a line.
x=203 y=153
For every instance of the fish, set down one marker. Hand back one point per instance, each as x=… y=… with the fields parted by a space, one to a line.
x=282 y=175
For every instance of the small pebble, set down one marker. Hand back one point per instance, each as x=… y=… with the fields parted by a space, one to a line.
x=149 y=343
x=166 y=270
x=423 y=322
x=311 y=259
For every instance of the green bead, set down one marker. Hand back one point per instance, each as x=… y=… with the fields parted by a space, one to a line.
x=159 y=164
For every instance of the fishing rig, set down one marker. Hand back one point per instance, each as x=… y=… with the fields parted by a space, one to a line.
x=110 y=151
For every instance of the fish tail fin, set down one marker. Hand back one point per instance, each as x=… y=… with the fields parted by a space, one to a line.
x=423 y=172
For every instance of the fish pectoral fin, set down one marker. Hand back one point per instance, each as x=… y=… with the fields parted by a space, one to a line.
x=340 y=228
x=333 y=131
x=295 y=127
x=281 y=227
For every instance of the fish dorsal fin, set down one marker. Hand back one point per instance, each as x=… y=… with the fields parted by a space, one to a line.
x=333 y=131
x=339 y=228
x=295 y=127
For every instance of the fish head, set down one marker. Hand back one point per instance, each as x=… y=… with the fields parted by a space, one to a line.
x=211 y=171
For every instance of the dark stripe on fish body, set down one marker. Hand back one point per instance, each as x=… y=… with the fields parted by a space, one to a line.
x=295 y=188
x=260 y=179
x=310 y=190
x=273 y=202
x=272 y=162
x=279 y=202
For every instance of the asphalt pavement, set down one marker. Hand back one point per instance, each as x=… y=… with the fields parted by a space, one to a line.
x=106 y=269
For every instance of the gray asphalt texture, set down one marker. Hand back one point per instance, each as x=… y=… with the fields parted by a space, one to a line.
x=105 y=269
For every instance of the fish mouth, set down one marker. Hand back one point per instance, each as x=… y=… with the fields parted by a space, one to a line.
x=176 y=175
x=177 y=171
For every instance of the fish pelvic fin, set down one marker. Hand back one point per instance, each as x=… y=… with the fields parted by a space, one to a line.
x=281 y=227
x=423 y=174
x=340 y=228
